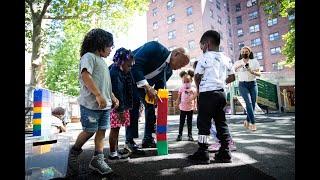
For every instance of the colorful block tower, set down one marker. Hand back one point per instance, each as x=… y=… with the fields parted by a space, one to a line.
x=41 y=112
x=162 y=142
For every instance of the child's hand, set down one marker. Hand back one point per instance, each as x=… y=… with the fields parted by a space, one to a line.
x=101 y=102
x=121 y=117
x=115 y=102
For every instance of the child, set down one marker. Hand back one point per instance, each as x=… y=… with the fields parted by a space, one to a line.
x=186 y=101
x=122 y=83
x=95 y=99
x=210 y=80
x=58 y=124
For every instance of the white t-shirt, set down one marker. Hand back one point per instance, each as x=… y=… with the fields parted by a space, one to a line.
x=214 y=66
x=243 y=73
x=55 y=122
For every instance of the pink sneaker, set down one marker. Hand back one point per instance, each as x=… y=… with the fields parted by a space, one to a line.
x=232 y=146
x=214 y=147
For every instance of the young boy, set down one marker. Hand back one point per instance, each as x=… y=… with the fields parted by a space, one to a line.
x=96 y=99
x=210 y=80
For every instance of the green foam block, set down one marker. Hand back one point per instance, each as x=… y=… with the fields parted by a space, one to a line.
x=162 y=147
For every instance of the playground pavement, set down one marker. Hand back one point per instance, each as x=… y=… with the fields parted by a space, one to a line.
x=266 y=154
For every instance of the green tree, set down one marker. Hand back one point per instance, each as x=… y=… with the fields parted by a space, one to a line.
x=283 y=8
x=81 y=10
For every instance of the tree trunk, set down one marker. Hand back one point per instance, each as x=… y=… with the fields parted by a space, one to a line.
x=36 y=41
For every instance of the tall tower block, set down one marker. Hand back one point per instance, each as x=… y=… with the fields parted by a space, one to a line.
x=41 y=112
x=162 y=142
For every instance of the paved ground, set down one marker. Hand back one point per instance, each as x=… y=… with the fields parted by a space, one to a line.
x=268 y=153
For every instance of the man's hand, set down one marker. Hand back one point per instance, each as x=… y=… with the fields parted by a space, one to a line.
x=101 y=101
x=151 y=93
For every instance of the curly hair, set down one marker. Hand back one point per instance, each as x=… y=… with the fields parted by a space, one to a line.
x=189 y=72
x=121 y=56
x=96 y=39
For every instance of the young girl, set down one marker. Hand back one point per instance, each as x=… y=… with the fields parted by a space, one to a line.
x=187 y=102
x=122 y=83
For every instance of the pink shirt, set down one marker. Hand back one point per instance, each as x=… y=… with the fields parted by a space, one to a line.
x=187 y=102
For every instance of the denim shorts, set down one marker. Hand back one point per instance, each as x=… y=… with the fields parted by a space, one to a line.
x=92 y=120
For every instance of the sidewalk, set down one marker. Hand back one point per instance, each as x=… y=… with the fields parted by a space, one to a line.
x=268 y=153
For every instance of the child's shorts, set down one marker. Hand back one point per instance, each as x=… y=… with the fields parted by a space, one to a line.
x=92 y=120
x=115 y=122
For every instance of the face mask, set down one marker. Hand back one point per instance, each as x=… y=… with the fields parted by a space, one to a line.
x=187 y=85
x=245 y=56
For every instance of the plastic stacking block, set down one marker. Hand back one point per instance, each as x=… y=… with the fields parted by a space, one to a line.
x=161 y=122
x=36 y=122
x=163 y=93
x=36 y=132
x=37 y=116
x=162 y=147
x=162 y=137
x=161 y=129
x=41 y=104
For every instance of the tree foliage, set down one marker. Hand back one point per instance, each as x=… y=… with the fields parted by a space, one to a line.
x=283 y=8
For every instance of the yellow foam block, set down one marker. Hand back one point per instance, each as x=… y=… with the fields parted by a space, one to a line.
x=42 y=149
x=36 y=121
x=163 y=93
x=41 y=110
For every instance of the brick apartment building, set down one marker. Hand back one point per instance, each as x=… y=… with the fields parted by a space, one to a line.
x=180 y=23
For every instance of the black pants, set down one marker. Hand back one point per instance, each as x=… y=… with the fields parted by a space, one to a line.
x=183 y=115
x=211 y=106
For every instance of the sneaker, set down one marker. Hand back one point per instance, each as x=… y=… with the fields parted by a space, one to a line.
x=214 y=147
x=98 y=164
x=131 y=148
x=232 y=146
x=190 y=138
x=252 y=127
x=123 y=153
x=73 y=163
x=200 y=157
x=223 y=157
x=148 y=144
x=179 y=138
x=118 y=158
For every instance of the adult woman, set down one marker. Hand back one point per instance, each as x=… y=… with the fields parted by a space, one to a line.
x=247 y=68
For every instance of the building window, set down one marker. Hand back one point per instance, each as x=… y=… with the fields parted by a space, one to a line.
x=155 y=25
x=256 y=42
x=262 y=68
x=189 y=11
x=211 y=13
x=218 y=4
x=258 y=55
x=172 y=48
x=170 y=4
x=154 y=11
x=239 y=20
x=240 y=32
x=274 y=36
x=172 y=34
x=156 y=38
x=238 y=7
x=253 y=15
x=191 y=44
x=228 y=9
x=272 y=22
x=276 y=66
x=219 y=20
x=254 y=28
x=275 y=50
x=240 y=44
x=230 y=34
x=291 y=16
x=229 y=22
x=190 y=27
x=251 y=3
x=171 y=19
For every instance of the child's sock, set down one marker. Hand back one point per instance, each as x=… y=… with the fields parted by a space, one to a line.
x=97 y=152
x=113 y=154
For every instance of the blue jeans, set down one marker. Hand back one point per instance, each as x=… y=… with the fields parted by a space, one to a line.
x=92 y=120
x=249 y=92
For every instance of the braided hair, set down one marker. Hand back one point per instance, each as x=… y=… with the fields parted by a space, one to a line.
x=121 y=56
